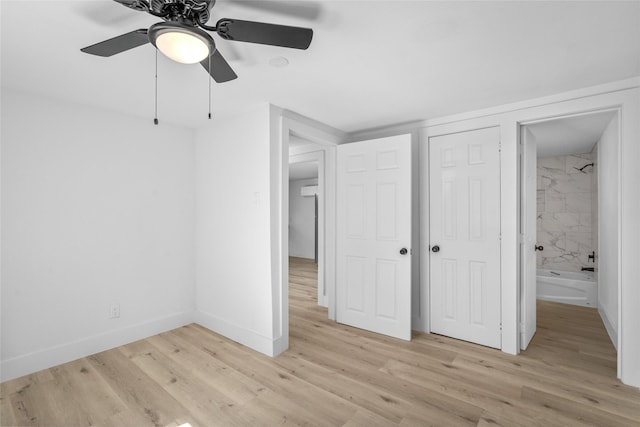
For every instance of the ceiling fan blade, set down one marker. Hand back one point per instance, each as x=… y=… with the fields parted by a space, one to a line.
x=220 y=70
x=305 y=10
x=262 y=33
x=104 y=14
x=118 y=44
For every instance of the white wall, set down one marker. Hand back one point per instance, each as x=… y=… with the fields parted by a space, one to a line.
x=302 y=213
x=608 y=213
x=97 y=208
x=233 y=252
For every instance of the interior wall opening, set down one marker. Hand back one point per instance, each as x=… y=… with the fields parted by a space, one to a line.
x=575 y=233
x=306 y=227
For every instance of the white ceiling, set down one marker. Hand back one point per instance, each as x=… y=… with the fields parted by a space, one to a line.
x=570 y=135
x=298 y=142
x=303 y=170
x=371 y=63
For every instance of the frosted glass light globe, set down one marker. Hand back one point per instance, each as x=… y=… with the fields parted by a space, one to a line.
x=182 y=47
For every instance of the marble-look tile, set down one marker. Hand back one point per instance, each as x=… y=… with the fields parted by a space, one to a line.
x=562 y=264
x=585 y=222
x=574 y=183
x=552 y=164
x=579 y=242
x=540 y=201
x=560 y=221
x=567 y=207
x=551 y=241
x=578 y=202
x=545 y=182
x=554 y=201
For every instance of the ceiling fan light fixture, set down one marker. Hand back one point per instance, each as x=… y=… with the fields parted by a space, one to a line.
x=181 y=43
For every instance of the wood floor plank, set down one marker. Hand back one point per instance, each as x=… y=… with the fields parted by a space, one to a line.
x=203 y=402
x=82 y=382
x=336 y=375
x=587 y=414
x=321 y=403
x=137 y=389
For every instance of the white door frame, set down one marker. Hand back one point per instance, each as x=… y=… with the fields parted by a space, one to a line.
x=521 y=127
x=317 y=156
x=508 y=210
x=624 y=95
x=289 y=123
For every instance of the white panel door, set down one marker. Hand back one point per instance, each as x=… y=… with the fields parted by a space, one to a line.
x=464 y=217
x=529 y=210
x=373 y=283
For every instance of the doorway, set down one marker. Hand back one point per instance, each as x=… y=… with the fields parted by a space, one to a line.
x=569 y=222
x=307 y=204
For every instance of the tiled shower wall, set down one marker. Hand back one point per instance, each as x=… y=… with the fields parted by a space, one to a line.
x=565 y=212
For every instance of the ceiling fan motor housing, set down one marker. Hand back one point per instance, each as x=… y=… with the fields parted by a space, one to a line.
x=174 y=10
x=193 y=10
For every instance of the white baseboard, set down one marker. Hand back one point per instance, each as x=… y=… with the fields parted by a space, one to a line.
x=613 y=333
x=280 y=345
x=419 y=324
x=53 y=356
x=254 y=340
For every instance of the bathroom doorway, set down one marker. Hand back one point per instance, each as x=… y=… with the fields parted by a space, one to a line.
x=569 y=224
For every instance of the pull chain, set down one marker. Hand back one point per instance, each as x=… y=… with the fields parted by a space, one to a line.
x=155 y=119
x=209 y=76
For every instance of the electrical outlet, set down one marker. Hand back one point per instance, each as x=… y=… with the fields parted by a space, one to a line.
x=114 y=311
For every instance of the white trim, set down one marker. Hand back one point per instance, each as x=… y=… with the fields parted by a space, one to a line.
x=613 y=335
x=577 y=94
x=63 y=353
x=283 y=123
x=237 y=333
x=384 y=131
x=425 y=236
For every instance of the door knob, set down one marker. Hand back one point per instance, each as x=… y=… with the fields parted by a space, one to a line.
x=403 y=251
x=539 y=248
x=435 y=248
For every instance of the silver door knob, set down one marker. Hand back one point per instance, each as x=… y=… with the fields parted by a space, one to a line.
x=403 y=251
x=435 y=248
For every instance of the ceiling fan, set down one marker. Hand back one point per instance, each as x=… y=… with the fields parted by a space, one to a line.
x=183 y=35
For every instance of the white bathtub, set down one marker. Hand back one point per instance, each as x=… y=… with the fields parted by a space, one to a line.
x=567 y=287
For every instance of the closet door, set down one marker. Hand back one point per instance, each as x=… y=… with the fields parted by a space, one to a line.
x=464 y=216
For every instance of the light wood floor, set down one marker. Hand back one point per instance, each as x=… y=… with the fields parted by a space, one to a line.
x=336 y=375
